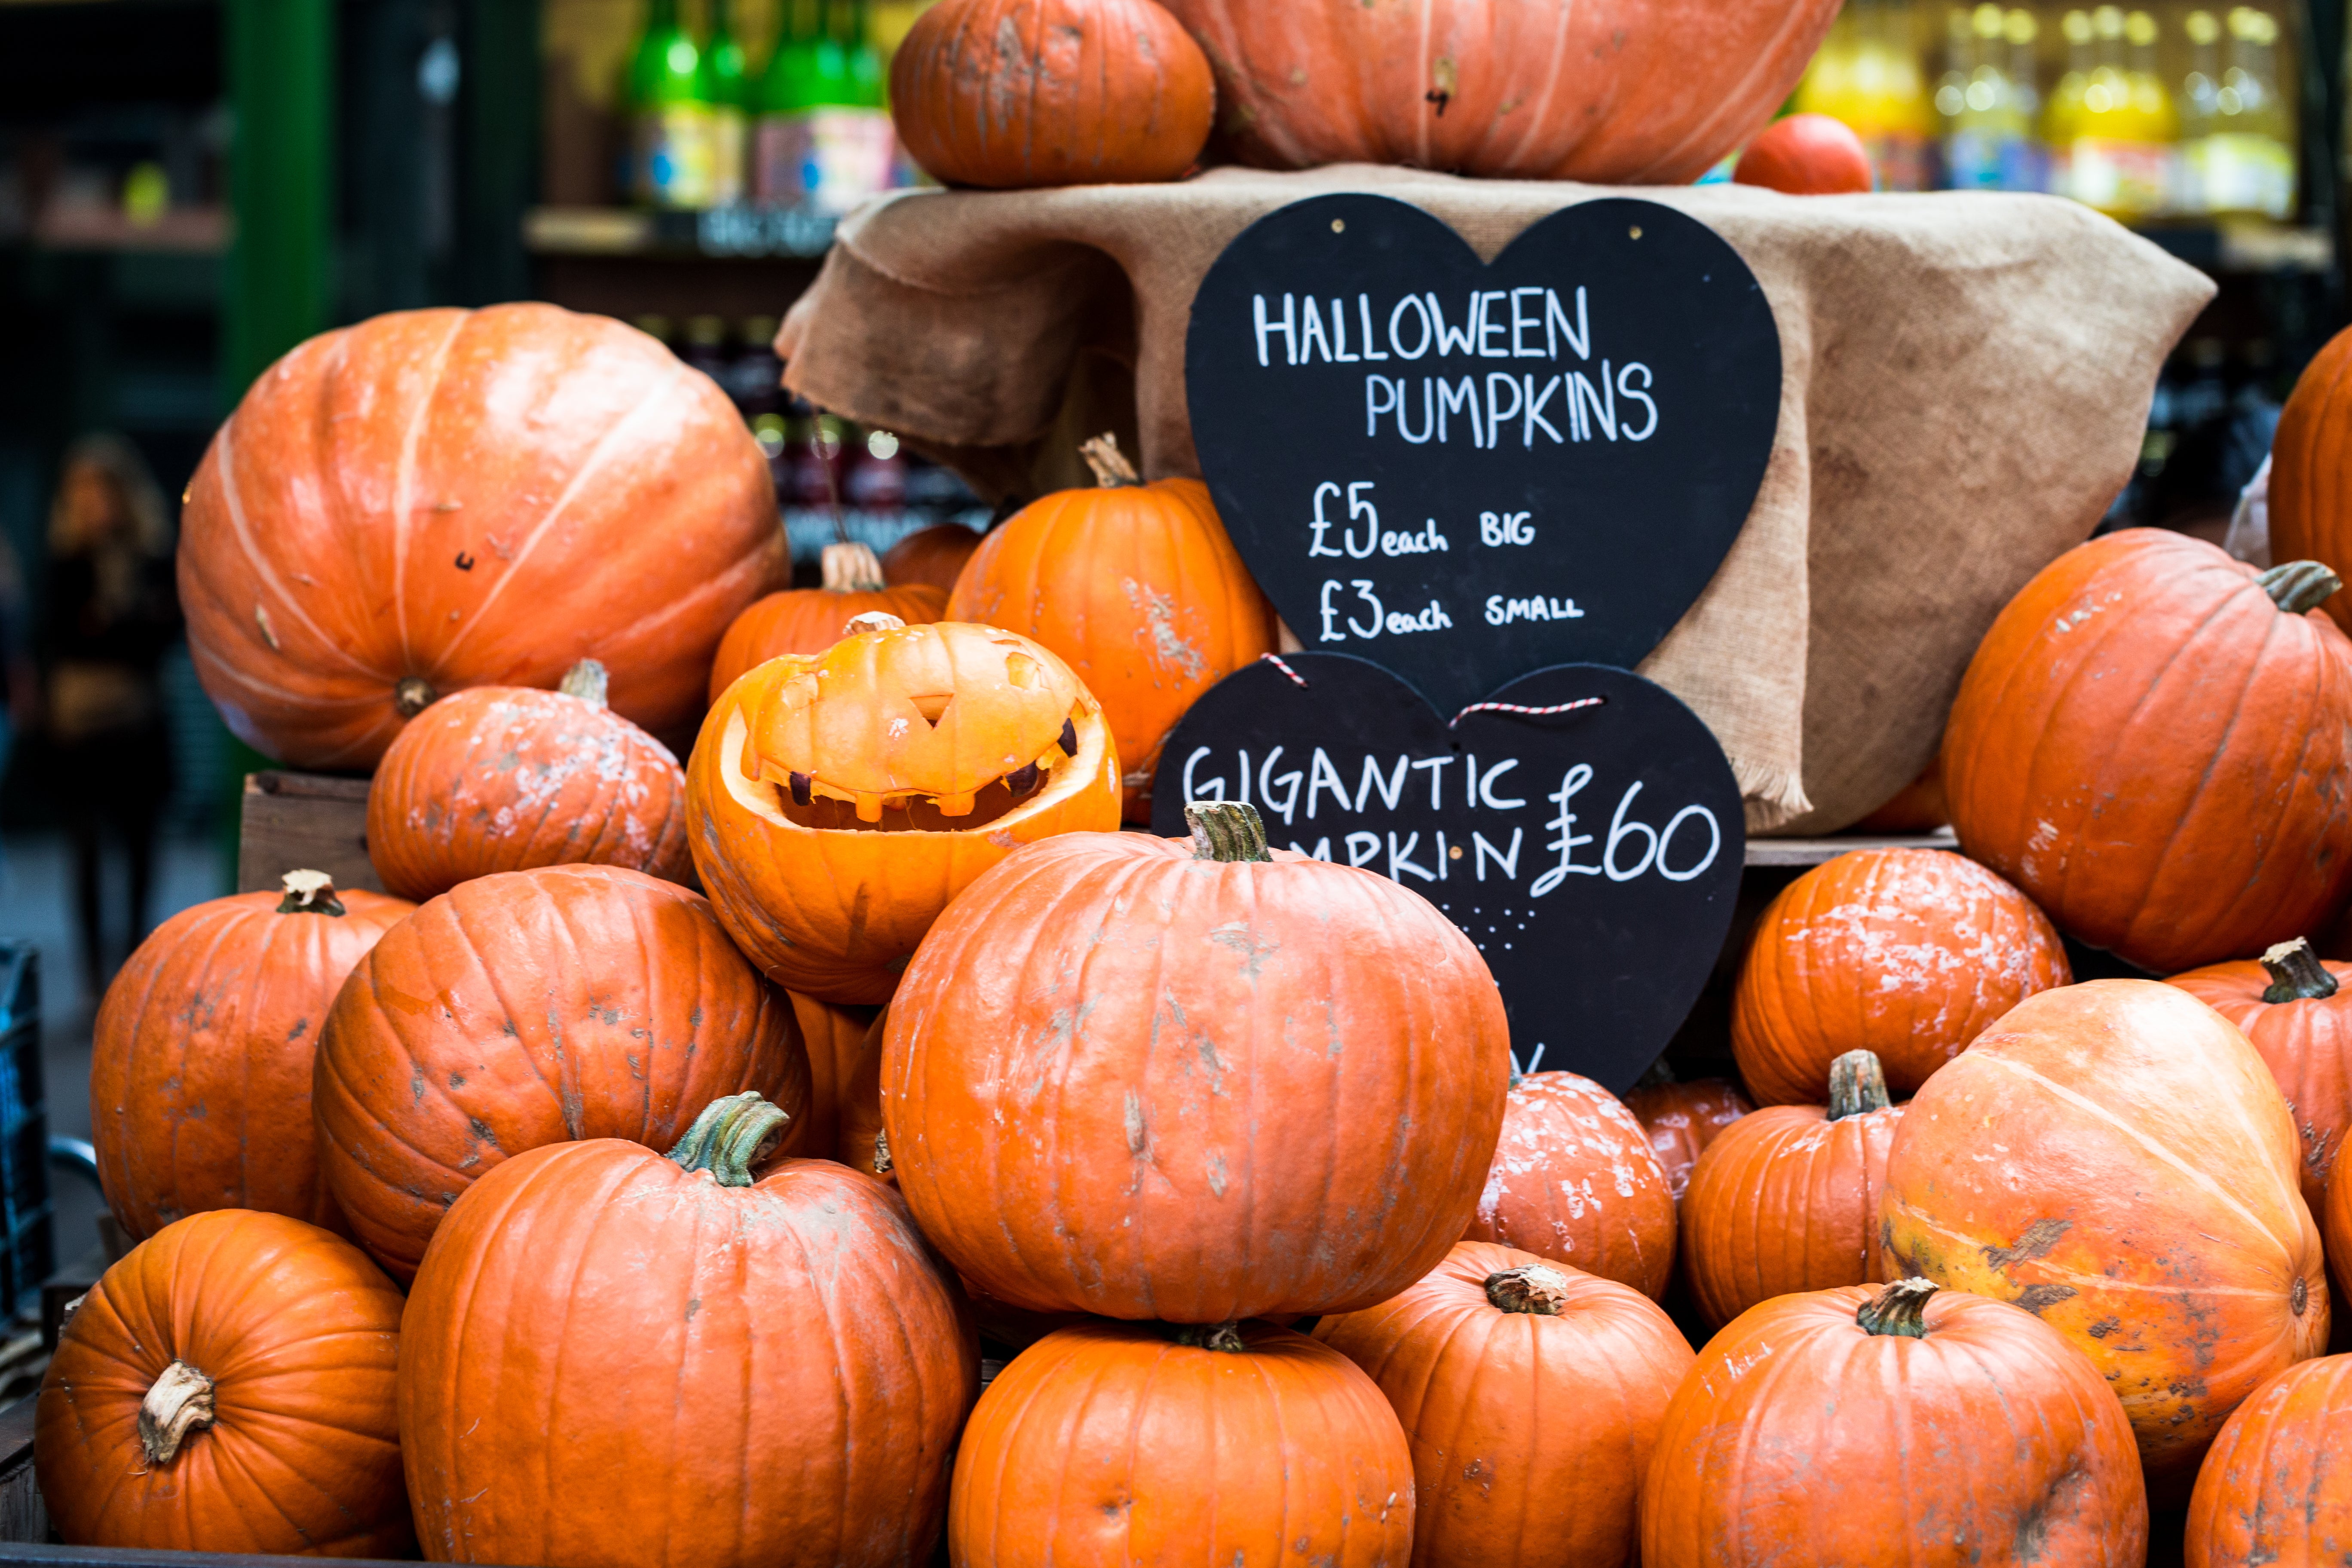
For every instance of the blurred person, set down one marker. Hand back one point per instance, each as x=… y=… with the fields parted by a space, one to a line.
x=112 y=614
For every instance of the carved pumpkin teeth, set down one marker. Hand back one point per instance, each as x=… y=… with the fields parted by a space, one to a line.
x=954 y=805
x=1021 y=781
x=1069 y=739
x=801 y=790
x=870 y=807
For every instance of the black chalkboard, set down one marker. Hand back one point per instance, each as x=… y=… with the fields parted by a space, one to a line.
x=1465 y=472
x=1600 y=929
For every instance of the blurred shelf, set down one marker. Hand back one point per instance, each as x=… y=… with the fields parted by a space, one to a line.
x=1814 y=851
x=736 y=232
x=2247 y=246
x=181 y=231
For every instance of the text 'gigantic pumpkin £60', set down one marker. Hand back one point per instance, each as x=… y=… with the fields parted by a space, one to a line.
x=836 y=802
x=1192 y=1080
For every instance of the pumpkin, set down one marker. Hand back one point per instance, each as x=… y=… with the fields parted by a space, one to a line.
x=2274 y=1487
x=2155 y=743
x=533 y=1007
x=1787 y=1199
x=932 y=556
x=2114 y=1158
x=836 y=1040
x=860 y=1140
x=1192 y=1080
x=836 y=802
x=1807 y=155
x=200 y=1060
x=433 y=499
x=1618 y=92
x=1136 y=586
x=2294 y=1010
x=2337 y=1215
x=1918 y=807
x=1531 y=1394
x=1683 y=1119
x=502 y=778
x=1906 y=953
x=2307 y=493
x=227 y=1387
x=1105 y=1444
x=811 y=620
x=1890 y=1424
x=616 y=1357
x=1010 y=94
x=1575 y=1180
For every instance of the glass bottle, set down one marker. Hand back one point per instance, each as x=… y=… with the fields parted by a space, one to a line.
x=670 y=141
x=1986 y=150
x=2119 y=155
x=2061 y=116
x=1892 y=110
x=726 y=89
x=2249 y=160
x=849 y=136
x=2022 y=34
x=2199 y=91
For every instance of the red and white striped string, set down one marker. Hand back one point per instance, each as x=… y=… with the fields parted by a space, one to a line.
x=1520 y=709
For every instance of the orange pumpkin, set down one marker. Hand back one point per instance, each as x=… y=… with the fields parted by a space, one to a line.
x=534 y=1007
x=1531 y=1394
x=811 y=620
x=200 y=1061
x=860 y=1140
x=2153 y=742
x=1892 y=1424
x=2114 y=1158
x=1918 y=807
x=2294 y=1010
x=2310 y=505
x=1807 y=155
x=1906 y=953
x=1575 y=1180
x=499 y=778
x=433 y=499
x=1138 y=588
x=1787 y=1199
x=1612 y=92
x=2336 y=1215
x=1683 y=1119
x=616 y=1357
x=1106 y=1445
x=836 y=1038
x=836 y=802
x=1196 y=1081
x=1019 y=93
x=932 y=556
x=228 y=1387
x=2275 y=1487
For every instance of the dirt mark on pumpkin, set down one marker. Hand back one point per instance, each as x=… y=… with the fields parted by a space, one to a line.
x=2036 y=1242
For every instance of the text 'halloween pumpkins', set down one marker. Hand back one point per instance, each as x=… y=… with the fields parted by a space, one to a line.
x=1192 y=1080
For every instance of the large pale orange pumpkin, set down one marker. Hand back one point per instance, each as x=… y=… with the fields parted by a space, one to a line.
x=441 y=499
x=200 y=1061
x=1906 y=953
x=2155 y=743
x=1576 y=1180
x=2294 y=1009
x=1531 y=1394
x=1683 y=1119
x=535 y=1008
x=2310 y=498
x=836 y=802
x=614 y=1359
x=2277 y=1487
x=811 y=620
x=1195 y=1082
x=500 y=778
x=1138 y=588
x=2114 y=1158
x=1108 y=1445
x=1611 y=91
x=228 y=1387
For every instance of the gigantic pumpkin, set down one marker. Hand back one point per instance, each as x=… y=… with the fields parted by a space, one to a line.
x=1683 y=1119
x=534 y=1007
x=2278 y=1486
x=1017 y=93
x=1612 y=92
x=1576 y=1180
x=200 y=1061
x=2310 y=500
x=441 y=499
x=615 y=1357
x=1138 y=588
x=1531 y=1394
x=228 y=1387
x=811 y=620
x=2114 y=1158
x=2294 y=1009
x=1192 y=1080
x=2155 y=743
x=1787 y=1199
x=1892 y=1424
x=1106 y=1445
x=501 y=778
x=836 y=802
x=1906 y=953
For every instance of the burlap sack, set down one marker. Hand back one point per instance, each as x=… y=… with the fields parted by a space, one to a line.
x=1965 y=387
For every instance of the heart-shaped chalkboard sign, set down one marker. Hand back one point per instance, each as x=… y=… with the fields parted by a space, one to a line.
x=1466 y=471
x=1592 y=853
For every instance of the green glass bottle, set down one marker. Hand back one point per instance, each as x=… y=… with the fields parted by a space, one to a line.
x=670 y=138
x=726 y=89
x=785 y=93
x=849 y=135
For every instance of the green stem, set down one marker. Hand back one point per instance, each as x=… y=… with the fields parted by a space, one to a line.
x=308 y=893
x=1857 y=1086
x=1533 y=1288
x=1901 y=1310
x=2296 y=586
x=1226 y=830
x=727 y=1139
x=2296 y=974
x=585 y=680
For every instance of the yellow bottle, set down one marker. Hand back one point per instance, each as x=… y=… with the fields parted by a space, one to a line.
x=2062 y=118
x=1987 y=147
x=2247 y=158
x=1890 y=109
x=2120 y=155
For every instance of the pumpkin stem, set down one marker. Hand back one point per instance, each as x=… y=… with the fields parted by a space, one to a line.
x=2296 y=974
x=1112 y=470
x=2295 y=586
x=180 y=1403
x=1656 y=1075
x=882 y=1151
x=1227 y=830
x=1900 y=1309
x=726 y=1138
x=586 y=680
x=309 y=892
x=1857 y=1086
x=1535 y=1289
x=850 y=568
x=1225 y=1337
x=412 y=695
x=871 y=621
